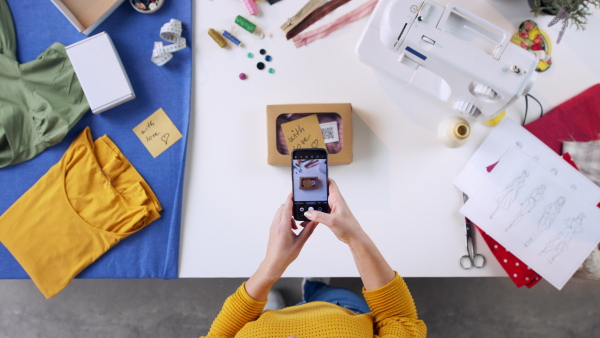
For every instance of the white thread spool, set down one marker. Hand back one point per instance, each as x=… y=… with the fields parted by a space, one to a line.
x=453 y=131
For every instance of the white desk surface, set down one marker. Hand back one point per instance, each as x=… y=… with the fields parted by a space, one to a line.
x=400 y=183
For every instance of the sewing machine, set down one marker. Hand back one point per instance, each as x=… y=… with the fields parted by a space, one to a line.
x=463 y=60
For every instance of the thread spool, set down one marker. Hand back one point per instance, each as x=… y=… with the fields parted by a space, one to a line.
x=249 y=26
x=453 y=131
x=251 y=6
x=217 y=37
x=232 y=38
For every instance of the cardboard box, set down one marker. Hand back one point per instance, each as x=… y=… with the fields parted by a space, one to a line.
x=340 y=152
x=86 y=15
x=100 y=72
x=309 y=183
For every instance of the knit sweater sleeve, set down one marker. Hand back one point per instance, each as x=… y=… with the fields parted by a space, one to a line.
x=394 y=311
x=238 y=310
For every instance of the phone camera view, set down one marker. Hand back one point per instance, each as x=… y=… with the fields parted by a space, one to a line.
x=310 y=182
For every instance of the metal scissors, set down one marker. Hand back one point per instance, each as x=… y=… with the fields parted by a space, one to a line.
x=471 y=259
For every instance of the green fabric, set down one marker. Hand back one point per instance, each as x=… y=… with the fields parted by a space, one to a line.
x=40 y=101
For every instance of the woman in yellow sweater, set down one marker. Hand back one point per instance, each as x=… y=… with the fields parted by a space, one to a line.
x=393 y=313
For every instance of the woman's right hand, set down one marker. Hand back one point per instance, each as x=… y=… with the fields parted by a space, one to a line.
x=340 y=219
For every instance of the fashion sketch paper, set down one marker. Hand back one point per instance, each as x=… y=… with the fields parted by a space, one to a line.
x=537 y=215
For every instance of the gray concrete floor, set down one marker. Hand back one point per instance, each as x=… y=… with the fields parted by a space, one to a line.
x=451 y=307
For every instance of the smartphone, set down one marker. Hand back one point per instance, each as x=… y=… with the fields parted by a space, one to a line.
x=309 y=180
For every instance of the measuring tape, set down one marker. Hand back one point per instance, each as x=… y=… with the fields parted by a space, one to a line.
x=170 y=32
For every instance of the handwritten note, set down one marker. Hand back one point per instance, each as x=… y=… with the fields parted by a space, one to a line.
x=303 y=133
x=157 y=132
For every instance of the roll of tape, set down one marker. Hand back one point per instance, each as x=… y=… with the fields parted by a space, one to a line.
x=170 y=32
x=453 y=131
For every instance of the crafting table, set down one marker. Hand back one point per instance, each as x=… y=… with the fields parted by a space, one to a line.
x=399 y=185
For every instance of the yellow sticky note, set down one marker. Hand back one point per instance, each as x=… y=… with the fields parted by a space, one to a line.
x=157 y=132
x=303 y=133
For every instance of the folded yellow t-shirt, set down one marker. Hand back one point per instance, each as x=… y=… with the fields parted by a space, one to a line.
x=84 y=205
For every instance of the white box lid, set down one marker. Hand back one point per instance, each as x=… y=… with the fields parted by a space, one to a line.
x=100 y=72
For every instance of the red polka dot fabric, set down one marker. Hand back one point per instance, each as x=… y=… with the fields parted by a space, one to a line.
x=518 y=271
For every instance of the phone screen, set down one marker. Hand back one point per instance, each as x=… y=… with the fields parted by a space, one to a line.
x=309 y=179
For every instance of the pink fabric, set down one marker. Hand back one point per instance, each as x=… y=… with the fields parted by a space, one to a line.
x=332 y=148
x=321 y=32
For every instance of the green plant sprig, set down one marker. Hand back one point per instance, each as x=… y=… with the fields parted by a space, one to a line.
x=577 y=10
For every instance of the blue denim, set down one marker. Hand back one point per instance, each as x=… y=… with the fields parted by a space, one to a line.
x=318 y=291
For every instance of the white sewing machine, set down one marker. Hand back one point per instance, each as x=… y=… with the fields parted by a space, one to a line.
x=463 y=60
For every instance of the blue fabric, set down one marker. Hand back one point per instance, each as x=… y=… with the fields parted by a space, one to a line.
x=153 y=252
x=321 y=292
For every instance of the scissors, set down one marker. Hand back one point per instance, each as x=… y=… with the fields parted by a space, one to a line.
x=471 y=259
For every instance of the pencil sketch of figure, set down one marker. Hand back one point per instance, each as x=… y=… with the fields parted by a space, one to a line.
x=528 y=204
x=560 y=242
x=551 y=210
x=509 y=194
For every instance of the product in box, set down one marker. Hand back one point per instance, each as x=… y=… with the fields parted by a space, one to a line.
x=309 y=183
x=100 y=72
x=335 y=120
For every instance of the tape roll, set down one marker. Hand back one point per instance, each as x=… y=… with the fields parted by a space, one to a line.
x=170 y=32
x=453 y=131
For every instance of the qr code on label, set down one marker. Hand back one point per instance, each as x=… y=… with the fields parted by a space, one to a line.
x=330 y=132
x=327 y=133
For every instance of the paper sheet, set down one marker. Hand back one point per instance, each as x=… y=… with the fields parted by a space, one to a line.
x=157 y=132
x=303 y=133
x=537 y=215
x=506 y=135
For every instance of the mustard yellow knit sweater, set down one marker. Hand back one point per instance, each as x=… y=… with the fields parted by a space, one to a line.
x=393 y=315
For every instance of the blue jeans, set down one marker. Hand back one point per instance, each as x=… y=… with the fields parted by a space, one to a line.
x=317 y=291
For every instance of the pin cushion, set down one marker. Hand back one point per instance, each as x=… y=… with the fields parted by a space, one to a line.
x=146 y=6
x=535 y=40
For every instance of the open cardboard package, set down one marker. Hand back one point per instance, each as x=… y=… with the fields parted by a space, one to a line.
x=330 y=115
x=86 y=15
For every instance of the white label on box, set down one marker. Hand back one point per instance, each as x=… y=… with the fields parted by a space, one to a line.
x=330 y=132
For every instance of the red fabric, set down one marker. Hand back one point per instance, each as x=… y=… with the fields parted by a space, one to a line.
x=567 y=157
x=577 y=119
x=520 y=273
